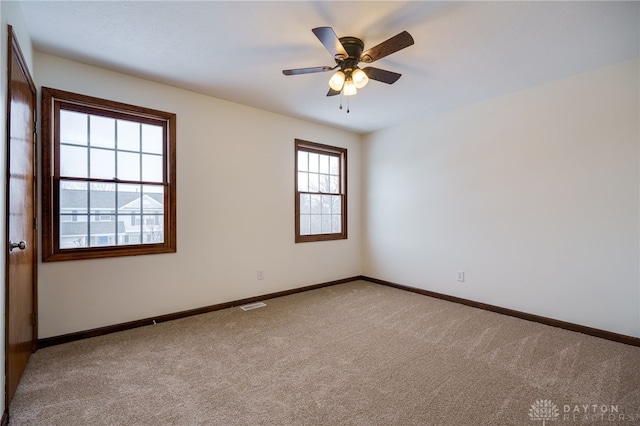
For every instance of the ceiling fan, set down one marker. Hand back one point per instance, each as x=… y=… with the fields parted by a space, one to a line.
x=348 y=53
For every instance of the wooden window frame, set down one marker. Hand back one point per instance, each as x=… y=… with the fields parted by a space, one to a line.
x=51 y=102
x=341 y=153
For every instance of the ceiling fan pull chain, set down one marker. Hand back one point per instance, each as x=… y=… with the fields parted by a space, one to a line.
x=340 y=99
x=348 y=104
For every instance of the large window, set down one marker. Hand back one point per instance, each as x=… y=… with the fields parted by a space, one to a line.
x=321 y=192
x=109 y=178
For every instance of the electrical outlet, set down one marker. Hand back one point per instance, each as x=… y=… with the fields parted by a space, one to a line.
x=260 y=274
x=461 y=276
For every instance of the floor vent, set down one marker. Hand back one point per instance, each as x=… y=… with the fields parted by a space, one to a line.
x=251 y=306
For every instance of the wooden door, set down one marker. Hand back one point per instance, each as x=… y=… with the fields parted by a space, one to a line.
x=20 y=308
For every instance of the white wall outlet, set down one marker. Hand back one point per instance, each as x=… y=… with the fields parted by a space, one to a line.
x=461 y=276
x=260 y=274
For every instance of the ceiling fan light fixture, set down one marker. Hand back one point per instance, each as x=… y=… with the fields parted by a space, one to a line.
x=337 y=81
x=360 y=78
x=349 y=88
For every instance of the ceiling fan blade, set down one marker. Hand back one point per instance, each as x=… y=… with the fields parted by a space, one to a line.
x=395 y=43
x=298 y=71
x=330 y=40
x=384 y=76
x=332 y=92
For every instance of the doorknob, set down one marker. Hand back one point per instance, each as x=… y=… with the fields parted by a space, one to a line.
x=21 y=245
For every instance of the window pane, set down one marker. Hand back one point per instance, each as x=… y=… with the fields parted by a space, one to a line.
x=73 y=128
x=334 y=186
x=129 y=199
x=326 y=204
x=73 y=161
x=74 y=234
x=128 y=135
x=324 y=163
x=151 y=168
x=102 y=164
x=316 y=224
x=315 y=204
x=153 y=189
x=303 y=161
x=336 y=223
x=152 y=139
x=152 y=229
x=326 y=224
x=334 y=165
x=103 y=198
x=129 y=229
x=73 y=198
x=305 y=224
x=313 y=162
x=305 y=203
x=128 y=166
x=102 y=132
x=337 y=204
x=324 y=183
x=313 y=182
x=303 y=181
x=152 y=200
x=102 y=233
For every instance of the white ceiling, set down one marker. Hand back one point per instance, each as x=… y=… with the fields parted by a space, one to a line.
x=464 y=52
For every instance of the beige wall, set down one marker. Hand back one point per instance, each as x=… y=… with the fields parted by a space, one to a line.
x=235 y=212
x=535 y=195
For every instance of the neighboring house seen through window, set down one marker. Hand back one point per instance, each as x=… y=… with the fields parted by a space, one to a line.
x=321 y=192
x=109 y=178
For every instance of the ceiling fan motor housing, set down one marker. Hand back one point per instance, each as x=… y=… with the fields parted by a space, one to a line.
x=354 y=47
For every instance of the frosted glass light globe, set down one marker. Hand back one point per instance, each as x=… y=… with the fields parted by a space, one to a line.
x=349 y=88
x=360 y=78
x=337 y=81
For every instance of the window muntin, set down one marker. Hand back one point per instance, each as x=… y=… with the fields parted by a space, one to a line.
x=320 y=179
x=109 y=171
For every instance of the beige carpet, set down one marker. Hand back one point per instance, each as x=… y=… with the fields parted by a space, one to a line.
x=351 y=354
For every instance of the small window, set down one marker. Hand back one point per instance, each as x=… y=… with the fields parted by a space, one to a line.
x=321 y=192
x=109 y=178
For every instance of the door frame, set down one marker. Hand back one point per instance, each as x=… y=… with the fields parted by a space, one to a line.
x=14 y=49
